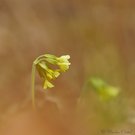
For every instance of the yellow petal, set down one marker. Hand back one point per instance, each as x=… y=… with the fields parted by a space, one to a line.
x=47 y=84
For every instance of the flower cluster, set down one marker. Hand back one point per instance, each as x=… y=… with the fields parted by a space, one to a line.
x=62 y=62
x=43 y=64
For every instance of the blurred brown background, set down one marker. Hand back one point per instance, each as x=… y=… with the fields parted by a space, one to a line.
x=98 y=35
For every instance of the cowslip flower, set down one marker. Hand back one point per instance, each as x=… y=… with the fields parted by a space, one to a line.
x=46 y=72
x=47 y=84
x=63 y=62
x=43 y=65
x=52 y=74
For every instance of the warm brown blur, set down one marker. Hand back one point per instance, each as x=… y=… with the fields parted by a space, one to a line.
x=100 y=38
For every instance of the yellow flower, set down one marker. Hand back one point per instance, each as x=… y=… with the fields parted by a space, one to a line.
x=63 y=62
x=48 y=74
x=52 y=74
x=42 y=65
x=47 y=84
x=41 y=68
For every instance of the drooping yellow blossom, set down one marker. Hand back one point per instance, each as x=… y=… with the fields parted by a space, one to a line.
x=43 y=65
x=47 y=84
x=63 y=62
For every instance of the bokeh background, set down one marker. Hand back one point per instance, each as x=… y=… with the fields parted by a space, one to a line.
x=100 y=38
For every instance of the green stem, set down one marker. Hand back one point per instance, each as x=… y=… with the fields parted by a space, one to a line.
x=42 y=57
x=33 y=84
x=33 y=78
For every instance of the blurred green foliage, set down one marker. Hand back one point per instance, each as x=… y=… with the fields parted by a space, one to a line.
x=106 y=101
x=105 y=91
